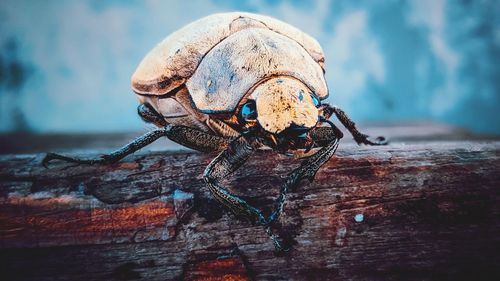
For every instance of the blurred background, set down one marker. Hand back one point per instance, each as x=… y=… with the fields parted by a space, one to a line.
x=65 y=66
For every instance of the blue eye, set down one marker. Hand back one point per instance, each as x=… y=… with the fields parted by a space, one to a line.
x=316 y=100
x=248 y=111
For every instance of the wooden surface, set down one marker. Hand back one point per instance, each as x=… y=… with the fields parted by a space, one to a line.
x=425 y=210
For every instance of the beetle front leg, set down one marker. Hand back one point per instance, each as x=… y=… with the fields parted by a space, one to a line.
x=223 y=165
x=359 y=137
x=308 y=168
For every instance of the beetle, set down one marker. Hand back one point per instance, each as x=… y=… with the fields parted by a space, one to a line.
x=232 y=83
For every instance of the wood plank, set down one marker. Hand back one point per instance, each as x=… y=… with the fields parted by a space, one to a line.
x=421 y=211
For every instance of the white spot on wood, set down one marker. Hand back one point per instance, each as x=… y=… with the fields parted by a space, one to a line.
x=359 y=217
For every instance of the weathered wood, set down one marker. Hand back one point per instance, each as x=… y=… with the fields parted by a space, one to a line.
x=425 y=211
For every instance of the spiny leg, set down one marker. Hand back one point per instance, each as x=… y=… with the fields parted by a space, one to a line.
x=322 y=136
x=326 y=137
x=186 y=136
x=359 y=137
x=114 y=156
x=223 y=165
x=197 y=139
x=189 y=137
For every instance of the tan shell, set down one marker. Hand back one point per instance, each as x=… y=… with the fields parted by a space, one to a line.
x=176 y=58
x=283 y=101
x=230 y=70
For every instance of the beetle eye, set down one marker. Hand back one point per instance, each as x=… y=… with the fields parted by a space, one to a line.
x=316 y=100
x=248 y=111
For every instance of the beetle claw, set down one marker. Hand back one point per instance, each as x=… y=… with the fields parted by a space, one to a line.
x=364 y=139
x=380 y=140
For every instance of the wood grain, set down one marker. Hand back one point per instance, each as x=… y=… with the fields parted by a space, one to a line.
x=425 y=211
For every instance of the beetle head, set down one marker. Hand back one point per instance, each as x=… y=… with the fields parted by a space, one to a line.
x=281 y=111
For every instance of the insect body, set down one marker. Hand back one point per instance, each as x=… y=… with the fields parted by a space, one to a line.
x=232 y=83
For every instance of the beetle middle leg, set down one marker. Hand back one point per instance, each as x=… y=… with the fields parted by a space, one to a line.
x=186 y=136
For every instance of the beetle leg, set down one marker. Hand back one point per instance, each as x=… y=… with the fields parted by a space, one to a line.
x=307 y=169
x=223 y=165
x=115 y=156
x=323 y=135
x=196 y=139
x=186 y=136
x=149 y=115
x=359 y=137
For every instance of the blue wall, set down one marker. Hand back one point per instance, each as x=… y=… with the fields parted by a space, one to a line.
x=65 y=66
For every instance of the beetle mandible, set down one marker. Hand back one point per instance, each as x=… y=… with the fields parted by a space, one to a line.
x=231 y=83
